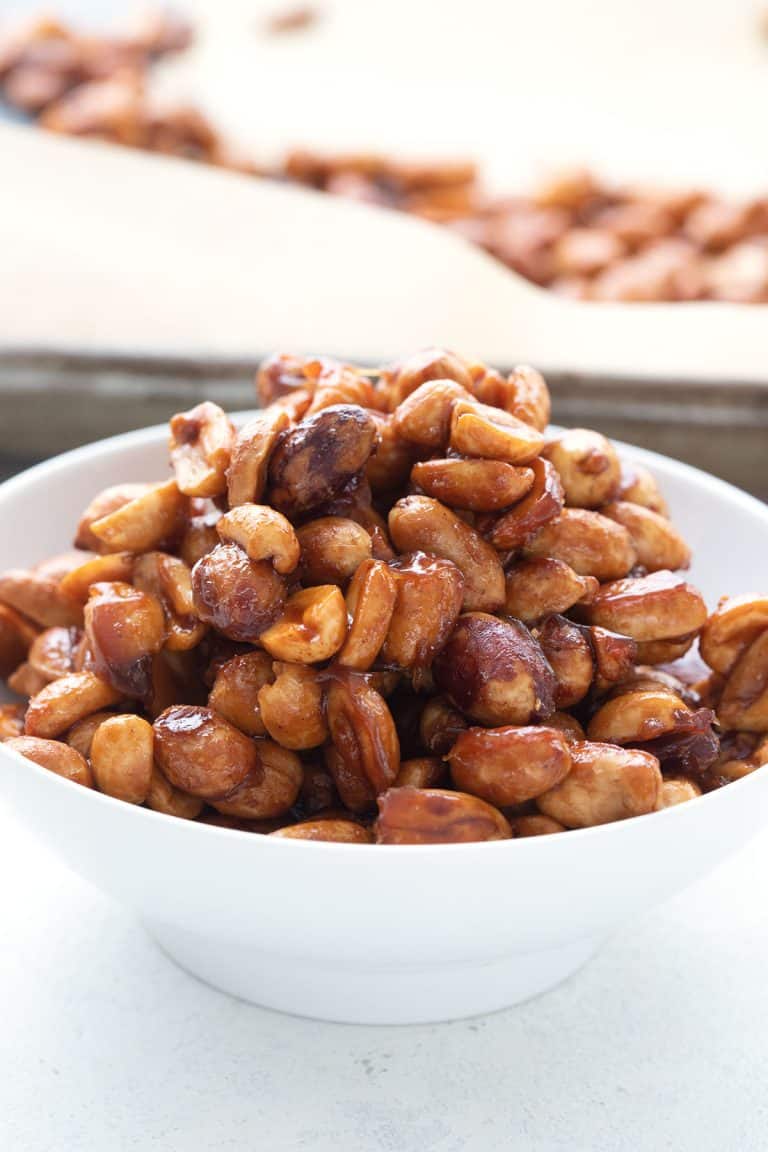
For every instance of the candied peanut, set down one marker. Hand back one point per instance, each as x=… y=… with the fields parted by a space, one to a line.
x=662 y=606
x=251 y=452
x=436 y=816
x=658 y=545
x=390 y=466
x=424 y=418
x=430 y=364
x=144 y=522
x=11 y=721
x=108 y=501
x=294 y=406
x=537 y=588
x=676 y=792
x=25 y=681
x=269 y=789
x=121 y=758
x=63 y=702
x=280 y=375
x=569 y=654
x=54 y=756
x=731 y=629
x=163 y=797
x=439 y=725
x=480 y=430
x=332 y=549
x=16 y=636
x=543 y=503
x=52 y=652
x=568 y=725
x=169 y=580
x=80 y=735
x=592 y=544
x=315 y=460
x=480 y=485
x=341 y=385
x=38 y=597
x=495 y=672
x=370 y=601
x=125 y=628
x=201 y=445
x=420 y=772
x=638 y=714
x=419 y=523
x=528 y=397
x=334 y=831
x=312 y=627
x=199 y=536
x=430 y=591
x=235 y=691
x=664 y=651
x=639 y=487
x=744 y=702
x=508 y=765
x=588 y=467
x=614 y=654
x=202 y=753
x=535 y=825
x=605 y=783
x=366 y=749
x=117 y=566
x=237 y=596
x=263 y=534
x=292 y=707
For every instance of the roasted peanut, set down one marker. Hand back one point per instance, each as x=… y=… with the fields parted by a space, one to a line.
x=334 y=831
x=313 y=461
x=436 y=816
x=424 y=418
x=169 y=580
x=52 y=652
x=479 y=430
x=237 y=596
x=523 y=394
x=638 y=714
x=292 y=707
x=263 y=534
x=495 y=672
x=592 y=544
x=430 y=591
x=587 y=465
x=11 y=721
x=639 y=487
x=420 y=772
x=430 y=364
x=142 y=523
x=235 y=691
x=390 y=466
x=418 y=523
x=614 y=655
x=199 y=536
x=201 y=445
x=39 y=597
x=535 y=825
x=281 y=375
x=202 y=753
x=569 y=654
x=54 y=756
x=125 y=628
x=480 y=485
x=543 y=503
x=63 y=702
x=269 y=789
x=658 y=545
x=312 y=627
x=107 y=502
x=332 y=549
x=251 y=452
x=80 y=735
x=664 y=651
x=439 y=725
x=16 y=636
x=365 y=741
x=163 y=797
x=676 y=792
x=117 y=566
x=370 y=600
x=731 y=629
x=662 y=606
x=744 y=702
x=605 y=783
x=508 y=766
x=121 y=758
x=537 y=588
x=568 y=725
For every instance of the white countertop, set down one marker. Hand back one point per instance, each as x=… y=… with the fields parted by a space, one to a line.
x=105 y=1046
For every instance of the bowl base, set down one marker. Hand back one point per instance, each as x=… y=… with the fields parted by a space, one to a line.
x=356 y=994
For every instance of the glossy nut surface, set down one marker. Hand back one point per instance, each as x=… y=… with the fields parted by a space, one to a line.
x=116 y=566
x=569 y=653
x=39 y=598
x=365 y=741
x=237 y=596
x=542 y=504
x=657 y=543
x=63 y=702
x=370 y=600
x=424 y=418
x=590 y=543
x=291 y=707
x=657 y=607
x=262 y=533
x=201 y=753
x=107 y=501
x=537 y=588
x=429 y=595
x=163 y=797
x=481 y=485
x=731 y=629
x=605 y=783
x=142 y=523
x=509 y=765
x=52 y=653
x=169 y=580
x=332 y=549
x=235 y=691
x=330 y=830
x=251 y=453
x=269 y=789
x=480 y=430
x=200 y=446
x=587 y=465
x=313 y=461
x=125 y=627
x=312 y=628
x=440 y=724
x=428 y=364
x=436 y=816
x=54 y=756
x=122 y=758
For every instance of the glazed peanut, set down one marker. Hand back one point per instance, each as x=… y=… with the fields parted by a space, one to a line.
x=237 y=596
x=508 y=766
x=731 y=629
x=125 y=627
x=251 y=452
x=235 y=691
x=108 y=501
x=662 y=606
x=436 y=816
x=481 y=485
x=605 y=783
x=332 y=549
x=201 y=753
x=366 y=747
x=535 y=825
x=639 y=487
x=313 y=461
x=587 y=465
x=263 y=534
x=311 y=629
x=569 y=653
x=116 y=566
x=370 y=600
x=52 y=652
x=39 y=597
x=54 y=756
x=201 y=445
x=543 y=504
x=537 y=588
x=430 y=364
x=80 y=735
x=429 y=595
x=480 y=430
x=142 y=523
x=440 y=724
x=335 y=831
x=590 y=543
x=163 y=797
x=63 y=702
x=657 y=544
x=269 y=789
x=169 y=581
x=291 y=707
x=121 y=758
x=676 y=792
x=424 y=418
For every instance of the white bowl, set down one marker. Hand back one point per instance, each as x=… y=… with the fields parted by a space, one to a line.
x=366 y=933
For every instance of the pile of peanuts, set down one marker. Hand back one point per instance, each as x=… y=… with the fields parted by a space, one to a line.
x=575 y=235
x=389 y=607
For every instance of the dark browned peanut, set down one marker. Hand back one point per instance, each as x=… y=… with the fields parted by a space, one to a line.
x=419 y=523
x=480 y=485
x=507 y=765
x=495 y=672
x=11 y=721
x=436 y=816
x=292 y=707
x=263 y=534
x=269 y=789
x=313 y=461
x=662 y=606
x=424 y=418
x=479 y=430
x=38 y=597
x=420 y=772
x=144 y=522
x=125 y=628
x=200 y=446
x=658 y=545
x=311 y=629
x=430 y=591
x=430 y=364
x=592 y=544
x=122 y=758
x=370 y=600
x=237 y=596
x=202 y=753
x=52 y=652
x=63 y=702
x=568 y=651
x=235 y=691
x=163 y=797
x=251 y=452
x=332 y=549
x=169 y=580
x=543 y=503
x=588 y=467
x=537 y=588
x=333 y=831
x=107 y=501
x=605 y=783
x=439 y=725
x=318 y=791
x=54 y=756
x=366 y=748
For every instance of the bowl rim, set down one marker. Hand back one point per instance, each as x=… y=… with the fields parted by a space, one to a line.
x=151 y=435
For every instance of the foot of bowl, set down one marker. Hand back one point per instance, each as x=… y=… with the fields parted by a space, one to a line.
x=353 y=993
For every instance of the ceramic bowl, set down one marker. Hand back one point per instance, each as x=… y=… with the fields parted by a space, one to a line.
x=367 y=933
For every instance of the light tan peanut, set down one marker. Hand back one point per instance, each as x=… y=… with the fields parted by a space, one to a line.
x=237 y=596
x=535 y=825
x=16 y=637
x=480 y=485
x=588 y=467
x=508 y=765
x=269 y=789
x=263 y=534
x=366 y=748
x=439 y=725
x=65 y=701
x=313 y=461
x=200 y=446
x=52 y=652
x=537 y=588
x=334 y=831
x=332 y=549
x=674 y=791
x=420 y=772
x=430 y=591
x=638 y=486
x=125 y=628
x=543 y=504
x=251 y=452
x=80 y=735
x=662 y=606
x=201 y=753
x=169 y=580
x=592 y=544
x=479 y=430
x=390 y=466
x=419 y=523
x=730 y=630
x=76 y=584
x=658 y=545
x=429 y=364
x=436 y=816
x=312 y=627
x=495 y=672
x=424 y=417
x=638 y=714
x=664 y=651
x=569 y=654
x=235 y=691
x=11 y=721
x=39 y=598
x=605 y=783
x=292 y=707
x=106 y=502
x=25 y=681
x=370 y=600
x=568 y=725
x=121 y=758
x=54 y=756
x=744 y=702
x=163 y=797
x=144 y=522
